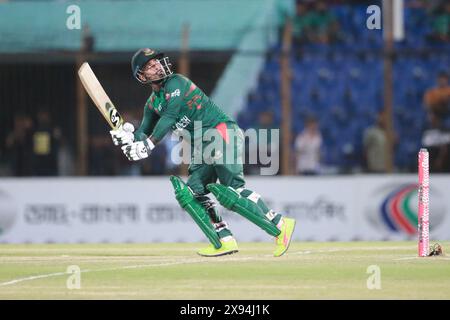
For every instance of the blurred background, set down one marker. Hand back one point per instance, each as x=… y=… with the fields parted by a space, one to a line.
x=347 y=98
x=355 y=87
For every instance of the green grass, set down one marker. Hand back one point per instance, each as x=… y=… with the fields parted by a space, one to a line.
x=310 y=270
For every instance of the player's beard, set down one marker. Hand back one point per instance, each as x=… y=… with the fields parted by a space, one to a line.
x=158 y=75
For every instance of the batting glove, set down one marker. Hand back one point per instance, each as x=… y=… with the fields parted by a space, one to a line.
x=123 y=135
x=138 y=150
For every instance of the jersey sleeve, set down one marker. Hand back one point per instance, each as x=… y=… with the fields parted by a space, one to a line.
x=148 y=123
x=174 y=94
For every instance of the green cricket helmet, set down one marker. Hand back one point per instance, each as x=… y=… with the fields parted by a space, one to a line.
x=140 y=59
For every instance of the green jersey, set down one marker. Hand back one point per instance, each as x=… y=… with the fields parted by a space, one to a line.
x=176 y=106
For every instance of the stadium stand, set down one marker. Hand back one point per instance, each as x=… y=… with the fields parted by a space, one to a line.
x=341 y=84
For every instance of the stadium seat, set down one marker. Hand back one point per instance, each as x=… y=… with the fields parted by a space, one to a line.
x=341 y=84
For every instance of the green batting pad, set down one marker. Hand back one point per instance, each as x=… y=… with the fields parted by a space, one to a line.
x=230 y=199
x=187 y=201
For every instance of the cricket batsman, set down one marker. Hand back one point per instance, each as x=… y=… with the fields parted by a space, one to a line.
x=175 y=104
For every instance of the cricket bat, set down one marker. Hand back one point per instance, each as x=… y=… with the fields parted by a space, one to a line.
x=99 y=96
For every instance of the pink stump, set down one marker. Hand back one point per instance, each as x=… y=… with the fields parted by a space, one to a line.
x=424 y=203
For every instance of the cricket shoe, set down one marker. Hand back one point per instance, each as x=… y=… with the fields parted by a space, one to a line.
x=284 y=238
x=228 y=247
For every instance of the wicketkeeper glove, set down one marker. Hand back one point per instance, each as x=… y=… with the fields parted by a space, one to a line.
x=138 y=150
x=123 y=135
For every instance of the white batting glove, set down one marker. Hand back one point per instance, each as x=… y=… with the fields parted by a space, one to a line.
x=123 y=135
x=138 y=150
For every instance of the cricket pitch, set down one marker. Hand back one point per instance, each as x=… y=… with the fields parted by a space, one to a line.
x=310 y=270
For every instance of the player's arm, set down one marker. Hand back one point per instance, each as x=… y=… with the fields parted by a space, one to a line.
x=168 y=119
x=162 y=127
x=140 y=150
x=148 y=123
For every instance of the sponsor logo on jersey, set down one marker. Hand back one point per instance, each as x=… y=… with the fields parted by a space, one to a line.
x=182 y=123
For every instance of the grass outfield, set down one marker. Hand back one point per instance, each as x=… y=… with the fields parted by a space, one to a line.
x=310 y=270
